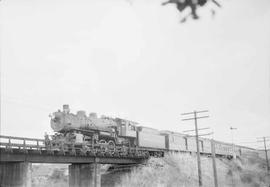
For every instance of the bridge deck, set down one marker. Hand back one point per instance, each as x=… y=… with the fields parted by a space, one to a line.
x=44 y=157
x=17 y=149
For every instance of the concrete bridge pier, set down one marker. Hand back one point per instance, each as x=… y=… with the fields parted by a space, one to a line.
x=84 y=175
x=15 y=174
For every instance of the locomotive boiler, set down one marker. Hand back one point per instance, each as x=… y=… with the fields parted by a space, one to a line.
x=87 y=132
x=64 y=121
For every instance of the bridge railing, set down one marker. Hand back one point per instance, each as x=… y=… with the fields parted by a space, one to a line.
x=11 y=142
x=35 y=145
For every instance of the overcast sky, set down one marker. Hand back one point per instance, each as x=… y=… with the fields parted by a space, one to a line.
x=133 y=59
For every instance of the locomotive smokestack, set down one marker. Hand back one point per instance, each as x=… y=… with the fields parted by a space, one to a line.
x=66 y=109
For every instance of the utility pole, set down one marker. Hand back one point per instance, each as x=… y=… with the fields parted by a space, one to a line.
x=265 y=149
x=233 y=149
x=213 y=150
x=266 y=156
x=197 y=139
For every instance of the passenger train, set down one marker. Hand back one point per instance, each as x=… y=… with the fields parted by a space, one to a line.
x=90 y=134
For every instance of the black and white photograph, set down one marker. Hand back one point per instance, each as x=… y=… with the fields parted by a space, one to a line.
x=135 y=93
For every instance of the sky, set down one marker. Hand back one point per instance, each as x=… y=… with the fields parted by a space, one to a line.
x=133 y=59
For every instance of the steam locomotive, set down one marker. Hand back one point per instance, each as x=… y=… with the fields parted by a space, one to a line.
x=115 y=136
x=88 y=133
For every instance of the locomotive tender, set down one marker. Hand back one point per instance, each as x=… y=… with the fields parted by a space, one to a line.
x=79 y=132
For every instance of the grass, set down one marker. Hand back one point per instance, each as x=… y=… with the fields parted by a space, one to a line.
x=174 y=170
x=180 y=170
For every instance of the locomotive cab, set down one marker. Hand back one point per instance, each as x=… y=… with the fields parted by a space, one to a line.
x=126 y=128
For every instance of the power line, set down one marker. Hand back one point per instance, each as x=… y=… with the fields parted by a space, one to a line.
x=207 y=134
x=24 y=103
x=263 y=137
x=264 y=140
x=249 y=142
x=261 y=148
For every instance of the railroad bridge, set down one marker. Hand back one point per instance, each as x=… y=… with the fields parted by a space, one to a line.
x=17 y=154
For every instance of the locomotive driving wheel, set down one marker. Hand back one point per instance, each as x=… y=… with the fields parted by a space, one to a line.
x=111 y=146
x=103 y=145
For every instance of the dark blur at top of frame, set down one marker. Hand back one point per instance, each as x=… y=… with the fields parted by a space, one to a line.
x=193 y=5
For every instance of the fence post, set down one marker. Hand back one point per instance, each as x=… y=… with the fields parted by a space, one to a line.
x=214 y=161
x=24 y=146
